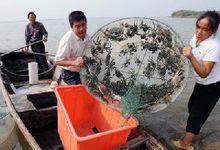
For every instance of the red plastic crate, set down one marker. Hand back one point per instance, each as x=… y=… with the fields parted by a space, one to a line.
x=85 y=123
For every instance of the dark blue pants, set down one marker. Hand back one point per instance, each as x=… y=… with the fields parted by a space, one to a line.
x=200 y=105
x=40 y=59
x=70 y=78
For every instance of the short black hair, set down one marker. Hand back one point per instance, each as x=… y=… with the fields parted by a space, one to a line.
x=213 y=18
x=76 y=16
x=31 y=13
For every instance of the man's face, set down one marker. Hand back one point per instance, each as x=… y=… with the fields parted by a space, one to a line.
x=80 y=28
x=32 y=19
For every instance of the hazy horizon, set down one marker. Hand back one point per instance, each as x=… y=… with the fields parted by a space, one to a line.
x=12 y=10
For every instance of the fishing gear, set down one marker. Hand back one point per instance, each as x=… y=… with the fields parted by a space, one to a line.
x=21 y=48
x=138 y=61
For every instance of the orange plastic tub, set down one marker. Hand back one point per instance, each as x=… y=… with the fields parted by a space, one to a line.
x=85 y=123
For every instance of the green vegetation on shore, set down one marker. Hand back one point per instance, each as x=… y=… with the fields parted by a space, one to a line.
x=187 y=14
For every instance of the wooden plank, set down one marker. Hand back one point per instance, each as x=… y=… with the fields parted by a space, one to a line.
x=21 y=103
x=33 y=144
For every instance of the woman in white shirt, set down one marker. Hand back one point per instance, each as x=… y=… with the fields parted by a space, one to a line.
x=204 y=56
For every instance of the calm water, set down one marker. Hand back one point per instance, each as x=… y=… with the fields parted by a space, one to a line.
x=12 y=37
x=12 y=33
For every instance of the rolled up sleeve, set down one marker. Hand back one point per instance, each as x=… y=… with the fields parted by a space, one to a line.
x=64 y=50
x=44 y=31
x=27 y=35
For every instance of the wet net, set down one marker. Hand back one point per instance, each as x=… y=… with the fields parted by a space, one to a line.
x=136 y=61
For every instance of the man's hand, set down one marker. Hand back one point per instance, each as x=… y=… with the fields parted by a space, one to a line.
x=79 y=61
x=25 y=50
x=45 y=39
x=187 y=52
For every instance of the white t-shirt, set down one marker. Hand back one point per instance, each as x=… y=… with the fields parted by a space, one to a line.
x=71 y=47
x=207 y=50
x=218 y=33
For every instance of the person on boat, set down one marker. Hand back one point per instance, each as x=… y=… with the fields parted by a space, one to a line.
x=204 y=56
x=34 y=32
x=71 y=47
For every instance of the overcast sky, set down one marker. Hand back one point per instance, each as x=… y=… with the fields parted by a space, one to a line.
x=52 y=9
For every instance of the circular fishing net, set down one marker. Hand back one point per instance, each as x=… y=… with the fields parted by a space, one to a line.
x=136 y=61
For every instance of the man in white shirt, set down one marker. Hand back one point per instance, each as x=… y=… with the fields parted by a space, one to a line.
x=71 y=47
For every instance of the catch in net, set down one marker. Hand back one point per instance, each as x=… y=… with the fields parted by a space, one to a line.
x=136 y=61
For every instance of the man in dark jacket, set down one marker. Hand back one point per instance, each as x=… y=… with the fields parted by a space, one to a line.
x=34 y=32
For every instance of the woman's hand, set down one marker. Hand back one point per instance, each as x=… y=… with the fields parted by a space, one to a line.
x=187 y=52
x=201 y=68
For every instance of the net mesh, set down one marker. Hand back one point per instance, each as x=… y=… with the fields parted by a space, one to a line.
x=137 y=61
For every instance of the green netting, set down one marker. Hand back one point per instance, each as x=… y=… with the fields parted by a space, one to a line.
x=130 y=101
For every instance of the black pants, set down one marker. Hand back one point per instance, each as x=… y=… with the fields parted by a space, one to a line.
x=70 y=78
x=200 y=105
x=40 y=59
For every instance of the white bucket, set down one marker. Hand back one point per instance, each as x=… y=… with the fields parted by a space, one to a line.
x=33 y=72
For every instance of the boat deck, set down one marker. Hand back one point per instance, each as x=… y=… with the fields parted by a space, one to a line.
x=26 y=88
x=38 y=111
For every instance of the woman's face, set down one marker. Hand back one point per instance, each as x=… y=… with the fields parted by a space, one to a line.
x=203 y=30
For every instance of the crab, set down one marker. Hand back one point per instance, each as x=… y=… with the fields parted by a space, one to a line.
x=132 y=30
x=144 y=26
x=127 y=63
x=114 y=33
x=149 y=69
x=150 y=46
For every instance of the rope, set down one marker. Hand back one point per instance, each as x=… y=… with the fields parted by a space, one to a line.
x=15 y=74
x=42 y=73
x=44 y=54
x=21 y=48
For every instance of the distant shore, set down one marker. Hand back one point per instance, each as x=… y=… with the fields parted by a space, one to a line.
x=187 y=14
